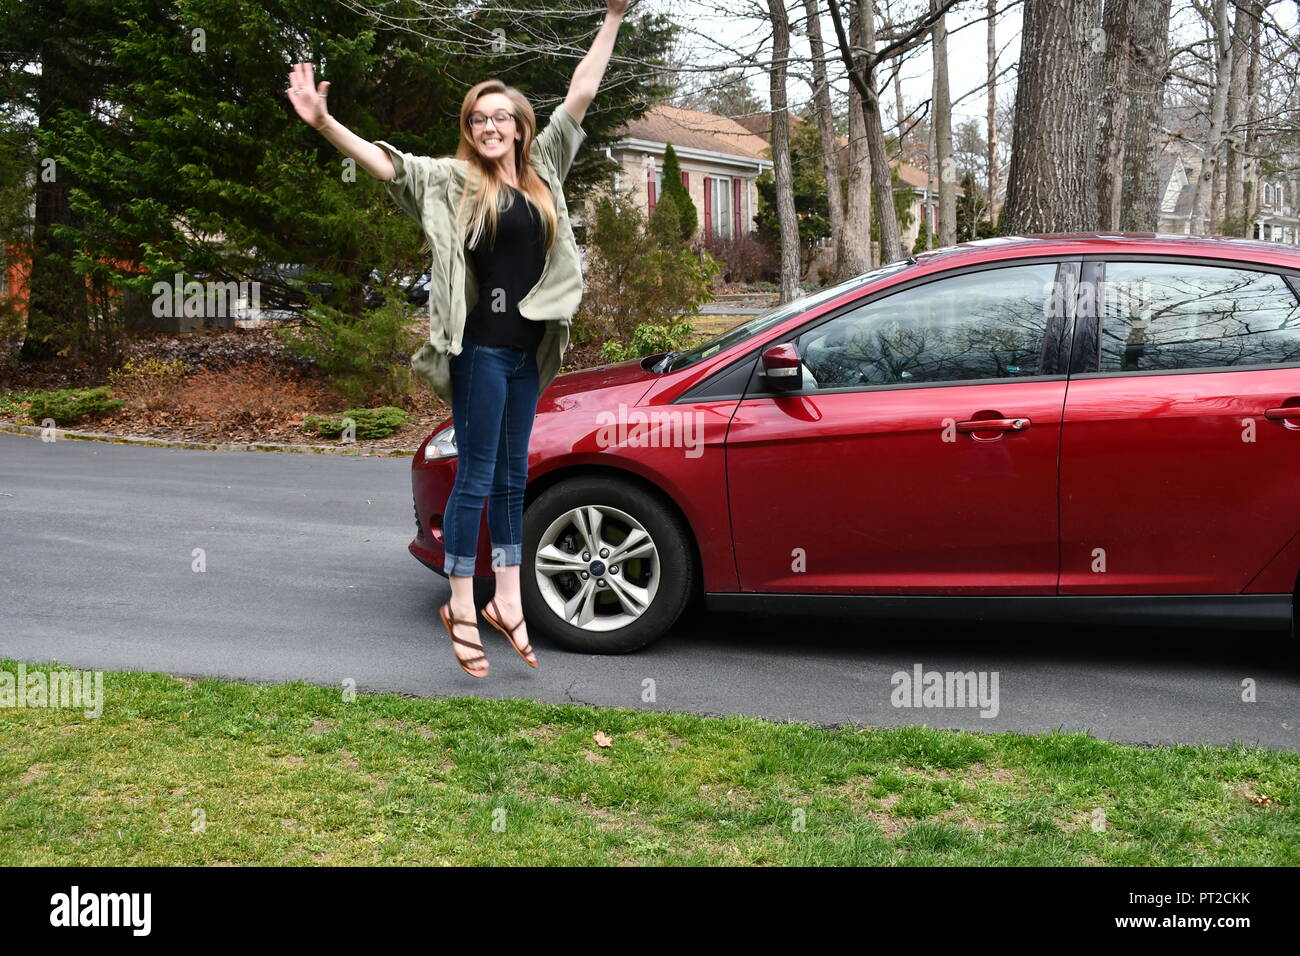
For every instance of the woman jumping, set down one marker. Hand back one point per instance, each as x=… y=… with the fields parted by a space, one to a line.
x=499 y=325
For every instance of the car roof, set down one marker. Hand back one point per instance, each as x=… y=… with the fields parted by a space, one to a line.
x=1094 y=243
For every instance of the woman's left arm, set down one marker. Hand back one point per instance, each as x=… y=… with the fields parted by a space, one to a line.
x=587 y=77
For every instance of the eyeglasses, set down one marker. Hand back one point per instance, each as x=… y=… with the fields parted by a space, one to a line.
x=499 y=119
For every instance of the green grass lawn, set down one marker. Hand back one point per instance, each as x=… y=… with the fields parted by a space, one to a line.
x=711 y=326
x=208 y=772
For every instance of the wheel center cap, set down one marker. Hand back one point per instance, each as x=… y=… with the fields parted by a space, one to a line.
x=597 y=568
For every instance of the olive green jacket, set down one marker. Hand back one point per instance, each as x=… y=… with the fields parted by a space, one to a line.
x=429 y=189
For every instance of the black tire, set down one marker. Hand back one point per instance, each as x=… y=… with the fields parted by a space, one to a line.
x=676 y=565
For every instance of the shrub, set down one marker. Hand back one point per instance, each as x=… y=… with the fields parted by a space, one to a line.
x=148 y=384
x=243 y=397
x=367 y=357
x=370 y=422
x=632 y=280
x=744 y=258
x=649 y=340
x=67 y=406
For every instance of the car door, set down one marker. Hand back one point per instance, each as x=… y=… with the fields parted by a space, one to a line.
x=876 y=476
x=1180 y=462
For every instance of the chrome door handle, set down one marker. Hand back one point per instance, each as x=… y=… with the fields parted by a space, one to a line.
x=994 y=424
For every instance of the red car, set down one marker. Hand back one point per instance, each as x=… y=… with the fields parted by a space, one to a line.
x=1099 y=428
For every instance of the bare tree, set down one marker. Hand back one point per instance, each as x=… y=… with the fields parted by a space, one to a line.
x=1204 y=194
x=787 y=218
x=942 y=99
x=862 y=74
x=1140 y=200
x=1244 y=25
x=1051 y=186
x=1250 y=195
x=1117 y=21
x=847 y=247
x=858 y=180
x=991 y=133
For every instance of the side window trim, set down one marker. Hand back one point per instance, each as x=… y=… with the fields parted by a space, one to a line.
x=1057 y=324
x=1085 y=362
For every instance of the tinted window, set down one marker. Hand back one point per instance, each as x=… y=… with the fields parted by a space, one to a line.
x=1165 y=315
x=779 y=313
x=980 y=325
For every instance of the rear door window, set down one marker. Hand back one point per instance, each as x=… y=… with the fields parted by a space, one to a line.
x=1161 y=316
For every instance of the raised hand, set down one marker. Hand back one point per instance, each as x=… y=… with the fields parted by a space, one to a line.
x=307 y=100
x=616 y=6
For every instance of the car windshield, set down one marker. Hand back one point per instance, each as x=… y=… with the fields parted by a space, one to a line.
x=773 y=316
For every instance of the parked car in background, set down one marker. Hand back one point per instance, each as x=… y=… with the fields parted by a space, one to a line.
x=1088 y=428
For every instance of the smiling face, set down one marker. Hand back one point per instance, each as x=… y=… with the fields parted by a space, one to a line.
x=495 y=143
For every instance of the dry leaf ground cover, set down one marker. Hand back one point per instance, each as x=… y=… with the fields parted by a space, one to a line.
x=204 y=772
x=241 y=386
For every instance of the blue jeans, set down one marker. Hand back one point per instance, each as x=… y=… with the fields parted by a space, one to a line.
x=493 y=402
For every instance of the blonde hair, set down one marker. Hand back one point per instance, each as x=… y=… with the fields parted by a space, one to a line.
x=483 y=182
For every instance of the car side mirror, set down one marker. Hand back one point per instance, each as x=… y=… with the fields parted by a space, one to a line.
x=782 y=368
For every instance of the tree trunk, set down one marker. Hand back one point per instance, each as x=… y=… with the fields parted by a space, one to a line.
x=1249 y=175
x=830 y=154
x=57 y=312
x=1203 y=201
x=927 y=218
x=1051 y=186
x=991 y=134
x=858 y=256
x=891 y=244
x=1140 y=199
x=1118 y=23
x=787 y=218
x=943 y=134
x=1234 y=173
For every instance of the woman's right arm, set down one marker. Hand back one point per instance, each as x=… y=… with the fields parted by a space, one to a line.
x=309 y=103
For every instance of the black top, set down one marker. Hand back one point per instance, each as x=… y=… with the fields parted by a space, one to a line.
x=507 y=269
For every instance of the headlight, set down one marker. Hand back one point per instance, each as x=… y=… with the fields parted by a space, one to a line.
x=442 y=444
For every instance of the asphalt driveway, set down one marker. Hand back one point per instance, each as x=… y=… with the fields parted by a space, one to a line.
x=306 y=576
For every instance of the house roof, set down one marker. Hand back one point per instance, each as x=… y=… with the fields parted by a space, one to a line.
x=747 y=136
x=691 y=128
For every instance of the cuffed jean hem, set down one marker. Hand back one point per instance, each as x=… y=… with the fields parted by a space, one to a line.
x=461 y=567
x=505 y=555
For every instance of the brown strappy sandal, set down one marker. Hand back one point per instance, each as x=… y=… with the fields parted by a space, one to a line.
x=450 y=623
x=495 y=620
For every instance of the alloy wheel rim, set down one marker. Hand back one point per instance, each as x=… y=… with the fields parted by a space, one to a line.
x=597 y=568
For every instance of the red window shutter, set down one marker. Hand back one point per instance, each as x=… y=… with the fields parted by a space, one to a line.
x=650 y=186
x=686 y=179
x=708 y=212
x=735 y=207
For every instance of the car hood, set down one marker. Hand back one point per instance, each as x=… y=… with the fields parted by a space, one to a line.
x=629 y=378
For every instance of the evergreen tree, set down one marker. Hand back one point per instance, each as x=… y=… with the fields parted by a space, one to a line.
x=671 y=178
x=177 y=151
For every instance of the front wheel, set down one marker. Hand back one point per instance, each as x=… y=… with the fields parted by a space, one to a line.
x=607 y=566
